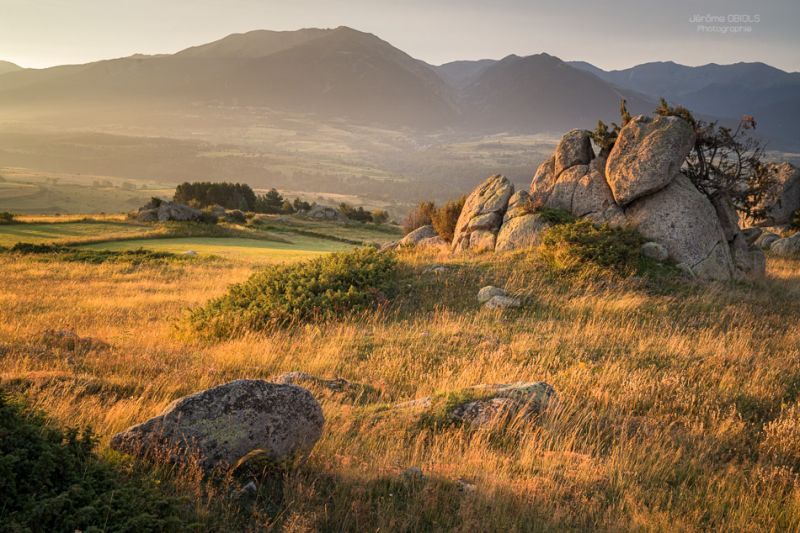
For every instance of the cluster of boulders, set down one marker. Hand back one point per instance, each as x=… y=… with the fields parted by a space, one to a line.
x=279 y=421
x=168 y=211
x=323 y=212
x=639 y=185
x=492 y=297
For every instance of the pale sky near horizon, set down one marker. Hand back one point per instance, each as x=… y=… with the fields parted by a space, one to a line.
x=608 y=33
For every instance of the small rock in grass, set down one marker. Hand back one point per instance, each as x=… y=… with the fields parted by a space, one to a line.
x=503 y=302
x=489 y=292
x=656 y=251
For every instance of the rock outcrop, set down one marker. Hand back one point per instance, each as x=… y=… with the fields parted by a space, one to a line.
x=640 y=185
x=647 y=156
x=482 y=215
x=219 y=426
x=786 y=247
x=168 y=212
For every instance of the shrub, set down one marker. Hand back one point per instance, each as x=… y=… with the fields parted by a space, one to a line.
x=419 y=216
x=316 y=290
x=380 y=216
x=359 y=214
x=574 y=246
x=50 y=480
x=444 y=218
x=6 y=217
x=555 y=216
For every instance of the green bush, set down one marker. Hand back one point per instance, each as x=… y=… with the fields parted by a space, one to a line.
x=6 y=217
x=50 y=480
x=554 y=215
x=580 y=246
x=316 y=290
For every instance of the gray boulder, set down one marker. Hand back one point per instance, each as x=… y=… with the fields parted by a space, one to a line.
x=647 y=156
x=219 y=426
x=521 y=232
x=574 y=148
x=170 y=211
x=421 y=233
x=147 y=215
x=564 y=189
x=518 y=205
x=496 y=403
x=684 y=221
x=489 y=292
x=503 y=302
x=323 y=212
x=482 y=215
x=782 y=199
x=765 y=240
x=786 y=247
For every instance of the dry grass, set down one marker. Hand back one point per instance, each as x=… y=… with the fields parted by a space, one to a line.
x=675 y=408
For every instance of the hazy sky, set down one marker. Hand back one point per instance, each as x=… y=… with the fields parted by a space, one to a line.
x=608 y=33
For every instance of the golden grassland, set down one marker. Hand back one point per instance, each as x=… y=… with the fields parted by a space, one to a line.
x=677 y=407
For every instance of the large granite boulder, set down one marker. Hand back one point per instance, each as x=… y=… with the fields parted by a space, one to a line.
x=482 y=215
x=683 y=220
x=219 y=426
x=421 y=233
x=647 y=155
x=492 y=404
x=574 y=148
x=543 y=182
x=521 y=232
x=782 y=199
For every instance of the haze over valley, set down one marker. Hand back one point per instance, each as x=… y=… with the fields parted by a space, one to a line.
x=337 y=111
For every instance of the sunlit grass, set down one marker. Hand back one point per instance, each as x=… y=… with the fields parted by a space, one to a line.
x=675 y=408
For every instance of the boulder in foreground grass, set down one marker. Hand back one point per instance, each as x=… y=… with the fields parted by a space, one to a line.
x=219 y=426
x=483 y=406
x=786 y=247
x=325 y=288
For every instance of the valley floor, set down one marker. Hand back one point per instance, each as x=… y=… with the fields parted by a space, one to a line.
x=678 y=409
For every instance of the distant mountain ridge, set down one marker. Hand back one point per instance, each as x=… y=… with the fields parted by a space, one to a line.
x=771 y=95
x=344 y=73
x=8 y=66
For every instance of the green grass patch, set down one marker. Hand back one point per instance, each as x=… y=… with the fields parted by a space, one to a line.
x=81 y=255
x=329 y=287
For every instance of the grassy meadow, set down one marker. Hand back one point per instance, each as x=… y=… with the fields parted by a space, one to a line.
x=677 y=403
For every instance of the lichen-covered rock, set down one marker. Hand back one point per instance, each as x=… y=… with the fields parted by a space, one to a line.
x=521 y=232
x=219 y=426
x=574 y=148
x=495 y=403
x=423 y=232
x=433 y=242
x=684 y=221
x=482 y=215
x=647 y=155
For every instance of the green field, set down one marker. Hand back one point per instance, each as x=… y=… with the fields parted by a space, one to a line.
x=63 y=232
x=232 y=248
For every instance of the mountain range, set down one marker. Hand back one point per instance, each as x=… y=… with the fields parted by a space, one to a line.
x=344 y=73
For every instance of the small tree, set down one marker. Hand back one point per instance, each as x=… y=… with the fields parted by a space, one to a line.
x=419 y=216
x=444 y=219
x=380 y=216
x=300 y=205
x=726 y=161
x=270 y=202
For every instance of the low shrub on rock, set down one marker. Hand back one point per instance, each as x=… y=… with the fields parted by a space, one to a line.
x=328 y=287
x=578 y=246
